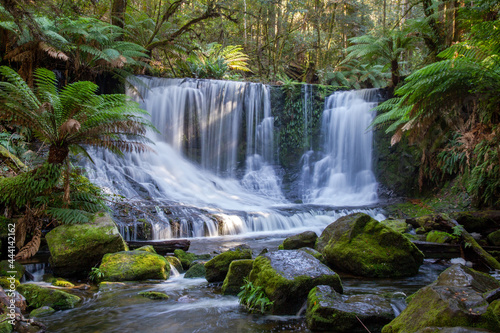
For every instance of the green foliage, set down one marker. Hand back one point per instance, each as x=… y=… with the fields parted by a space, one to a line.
x=254 y=298
x=96 y=275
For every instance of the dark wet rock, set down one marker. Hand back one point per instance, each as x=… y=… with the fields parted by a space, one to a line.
x=76 y=248
x=327 y=309
x=235 y=278
x=218 y=266
x=492 y=295
x=494 y=238
x=304 y=239
x=313 y=252
x=287 y=276
x=134 y=266
x=361 y=245
x=456 y=298
x=197 y=270
x=187 y=258
x=37 y=296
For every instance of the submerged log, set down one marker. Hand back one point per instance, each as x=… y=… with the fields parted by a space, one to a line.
x=163 y=246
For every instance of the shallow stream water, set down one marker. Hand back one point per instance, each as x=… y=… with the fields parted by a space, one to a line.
x=197 y=306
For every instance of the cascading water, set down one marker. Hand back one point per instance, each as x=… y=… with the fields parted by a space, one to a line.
x=343 y=176
x=213 y=171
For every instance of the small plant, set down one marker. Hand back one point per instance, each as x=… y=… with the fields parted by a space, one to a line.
x=254 y=298
x=95 y=274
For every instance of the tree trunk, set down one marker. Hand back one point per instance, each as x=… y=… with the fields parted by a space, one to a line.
x=57 y=154
x=118 y=13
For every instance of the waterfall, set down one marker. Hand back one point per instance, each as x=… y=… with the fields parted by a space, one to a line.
x=213 y=169
x=343 y=175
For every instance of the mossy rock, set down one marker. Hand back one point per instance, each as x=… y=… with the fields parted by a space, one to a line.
x=5 y=326
x=197 y=270
x=456 y=298
x=235 y=278
x=37 y=296
x=304 y=239
x=314 y=253
x=7 y=282
x=156 y=295
x=106 y=286
x=326 y=309
x=218 y=266
x=76 y=248
x=287 y=276
x=6 y=267
x=361 y=245
x=399 y=225
x=58 y=282
x=134 y=266
x=481 y=221
x=147 y=248
x=42 y=311
x=457 y=329
x=175 y=262
x=494 y=238
x=187 y=258
x=436 y=236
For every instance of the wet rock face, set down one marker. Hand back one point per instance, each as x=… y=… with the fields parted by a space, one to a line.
x=327 y=309
x=458 y=298
x=75 y=249
x=362 y=246
x=287 y=276
x=305 y=239
x=134 y=266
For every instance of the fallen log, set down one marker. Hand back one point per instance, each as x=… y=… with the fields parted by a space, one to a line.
x=162 y=246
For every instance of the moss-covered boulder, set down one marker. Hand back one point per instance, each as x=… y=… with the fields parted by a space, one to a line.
x=457 y=329
x=6 y=267
x=37 y=296
x=304 y=239
x=494 y=238
x=235 y=278
x=327 y=309
x=197 y=270
x=218 y=266
x=456 y=298
x=59 y=282
x=76 y=248
x=7 y=282
x=287 y=276
x=187 y=258
x=436 y=236
x=174 y=262
x=147 y=248
x=361 y=245
x=156 y=295
x=399 y=225
x=134 y=266
x=41 y=311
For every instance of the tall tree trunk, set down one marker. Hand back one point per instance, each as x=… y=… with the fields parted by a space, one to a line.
x=118 y=9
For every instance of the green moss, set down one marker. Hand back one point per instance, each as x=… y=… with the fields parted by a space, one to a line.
x=236 y=275
x=5 y=326
x=16 y=267
x=156 y=295
x=398 y=225
x=217 y=267
x=76 y=248
x=147 y=248
x=363 y=246
x=187 y=258
x=134 y=266
x=58 y=282
x=287 y=293
x=37 y=296
x=174 y=262
x=41 y=311
x=5 y=282
x=494 y=238
x=197 y=270
x=110 y=286
x=436 y=236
